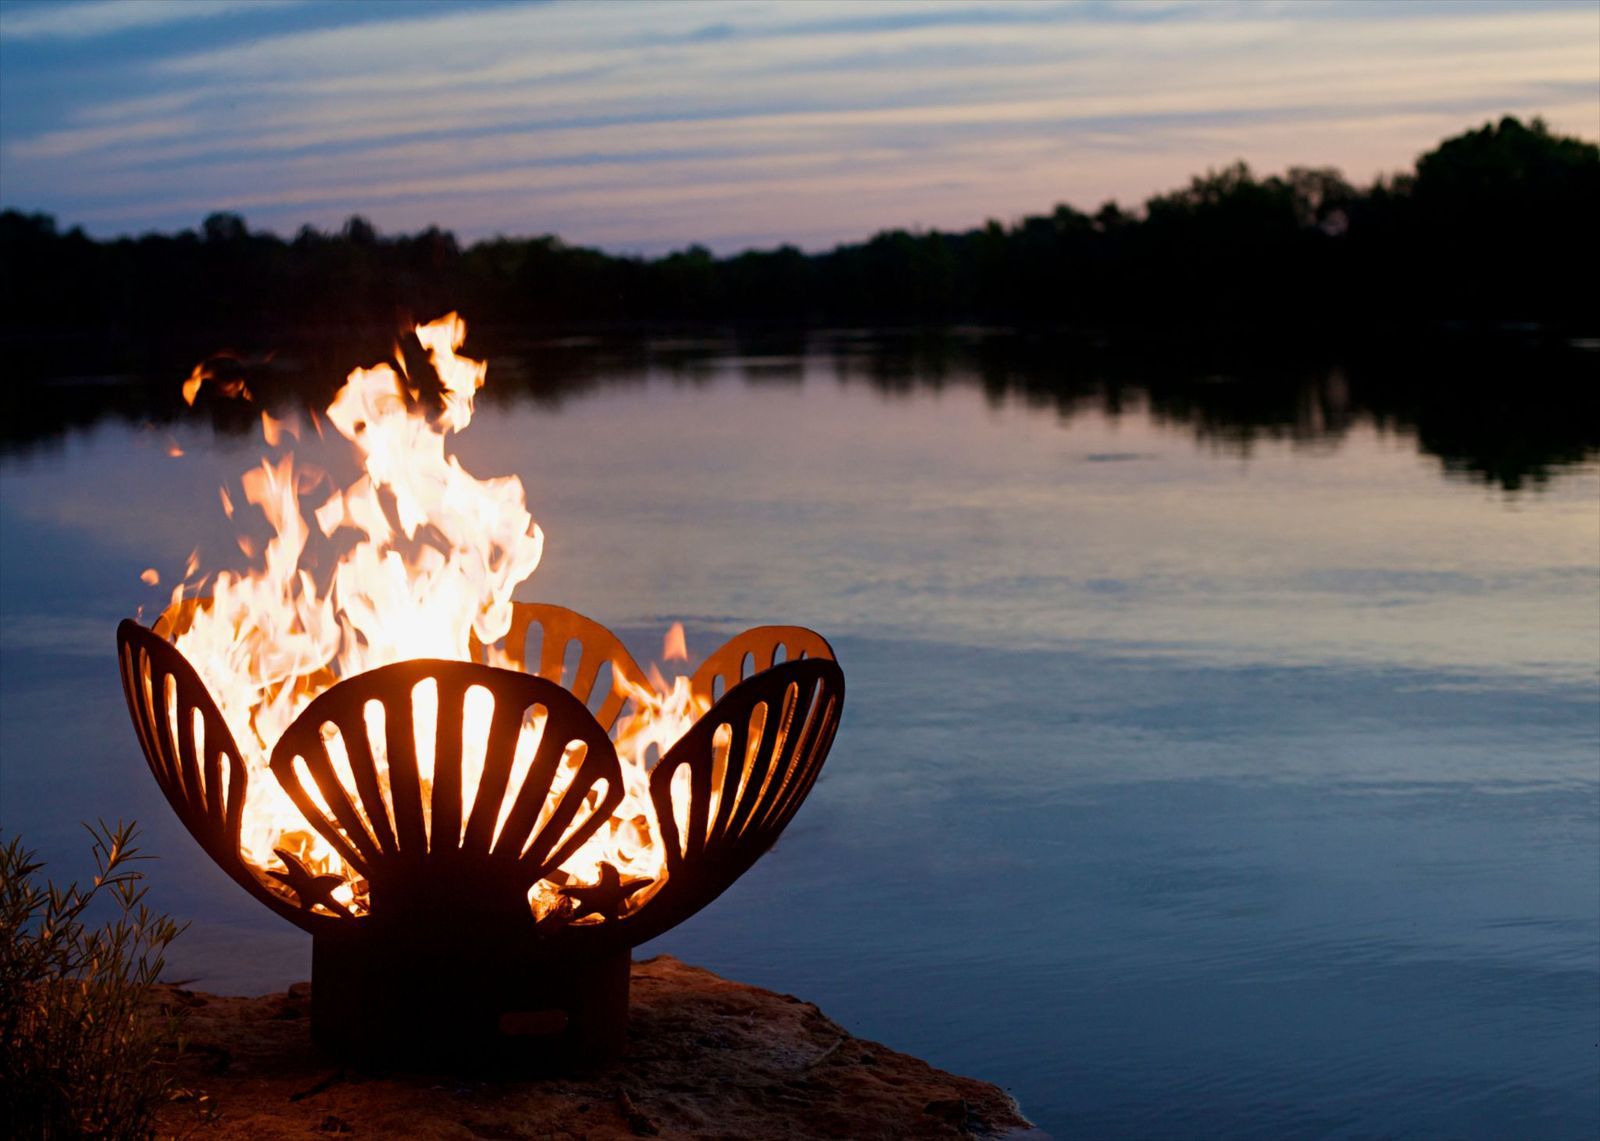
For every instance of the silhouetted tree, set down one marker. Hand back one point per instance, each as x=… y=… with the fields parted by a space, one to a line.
x=1495 y=224
x=1507 y=216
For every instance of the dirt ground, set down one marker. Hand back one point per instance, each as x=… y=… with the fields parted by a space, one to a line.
x=706 y=1058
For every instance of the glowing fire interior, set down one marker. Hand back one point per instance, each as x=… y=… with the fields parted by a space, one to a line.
x=425 y=557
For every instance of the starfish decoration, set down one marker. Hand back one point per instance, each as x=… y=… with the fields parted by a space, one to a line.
x=604 y=898
x=311 y=889
x=558 y=916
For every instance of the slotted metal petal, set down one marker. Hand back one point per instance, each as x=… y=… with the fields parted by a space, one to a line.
x=501 y=841
x=201 y=772
x=751 y=761
x=747 y=654
x=558 y=629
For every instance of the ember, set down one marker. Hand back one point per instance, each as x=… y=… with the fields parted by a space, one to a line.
x=474 y=823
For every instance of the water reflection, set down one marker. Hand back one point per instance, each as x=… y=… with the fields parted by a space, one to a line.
x=1212 y=765
x=1497 y=412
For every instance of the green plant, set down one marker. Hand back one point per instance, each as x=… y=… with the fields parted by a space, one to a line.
x=81 y=1044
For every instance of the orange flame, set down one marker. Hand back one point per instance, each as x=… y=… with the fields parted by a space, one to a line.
x=234 y=387
x=431 y=556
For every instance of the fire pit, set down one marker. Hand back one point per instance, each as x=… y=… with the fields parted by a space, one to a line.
x=475 y=839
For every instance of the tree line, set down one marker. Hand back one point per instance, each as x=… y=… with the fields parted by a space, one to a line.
x=1497 y=224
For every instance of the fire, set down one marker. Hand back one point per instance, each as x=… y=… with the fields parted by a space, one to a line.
x=674 y=647
x=427 y=559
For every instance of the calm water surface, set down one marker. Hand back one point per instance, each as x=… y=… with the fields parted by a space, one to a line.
x=1192 y=782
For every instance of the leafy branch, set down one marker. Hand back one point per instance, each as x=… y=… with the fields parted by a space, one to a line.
x=80 y=1045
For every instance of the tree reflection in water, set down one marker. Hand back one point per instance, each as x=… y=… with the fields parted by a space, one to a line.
x=1490 y=408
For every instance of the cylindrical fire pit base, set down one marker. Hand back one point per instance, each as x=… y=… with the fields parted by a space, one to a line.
x=408 y=1004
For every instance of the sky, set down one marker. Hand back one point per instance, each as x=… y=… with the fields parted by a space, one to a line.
x=642 y=127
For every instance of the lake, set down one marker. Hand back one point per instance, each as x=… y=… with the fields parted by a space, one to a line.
x=1222 y=749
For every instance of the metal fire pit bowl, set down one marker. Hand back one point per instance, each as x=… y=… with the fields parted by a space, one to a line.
x=449 y=964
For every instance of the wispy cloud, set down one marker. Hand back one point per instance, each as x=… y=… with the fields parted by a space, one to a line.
x=643 y=125
x=83 y=20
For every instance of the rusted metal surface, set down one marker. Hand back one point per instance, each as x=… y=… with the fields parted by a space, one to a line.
x=446 y=947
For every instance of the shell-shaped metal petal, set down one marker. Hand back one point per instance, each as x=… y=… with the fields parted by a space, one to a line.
x=748 y=763
x=757 y=649
x=373 y=798
x=558 y=629
x=194 y=758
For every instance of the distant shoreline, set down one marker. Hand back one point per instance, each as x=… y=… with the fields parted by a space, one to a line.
x=1304 y=336
x=1495 y=226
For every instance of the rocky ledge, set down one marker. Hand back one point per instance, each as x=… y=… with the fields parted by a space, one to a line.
x=706 y=1058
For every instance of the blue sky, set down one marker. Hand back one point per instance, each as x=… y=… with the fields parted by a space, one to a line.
x=639 y=126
